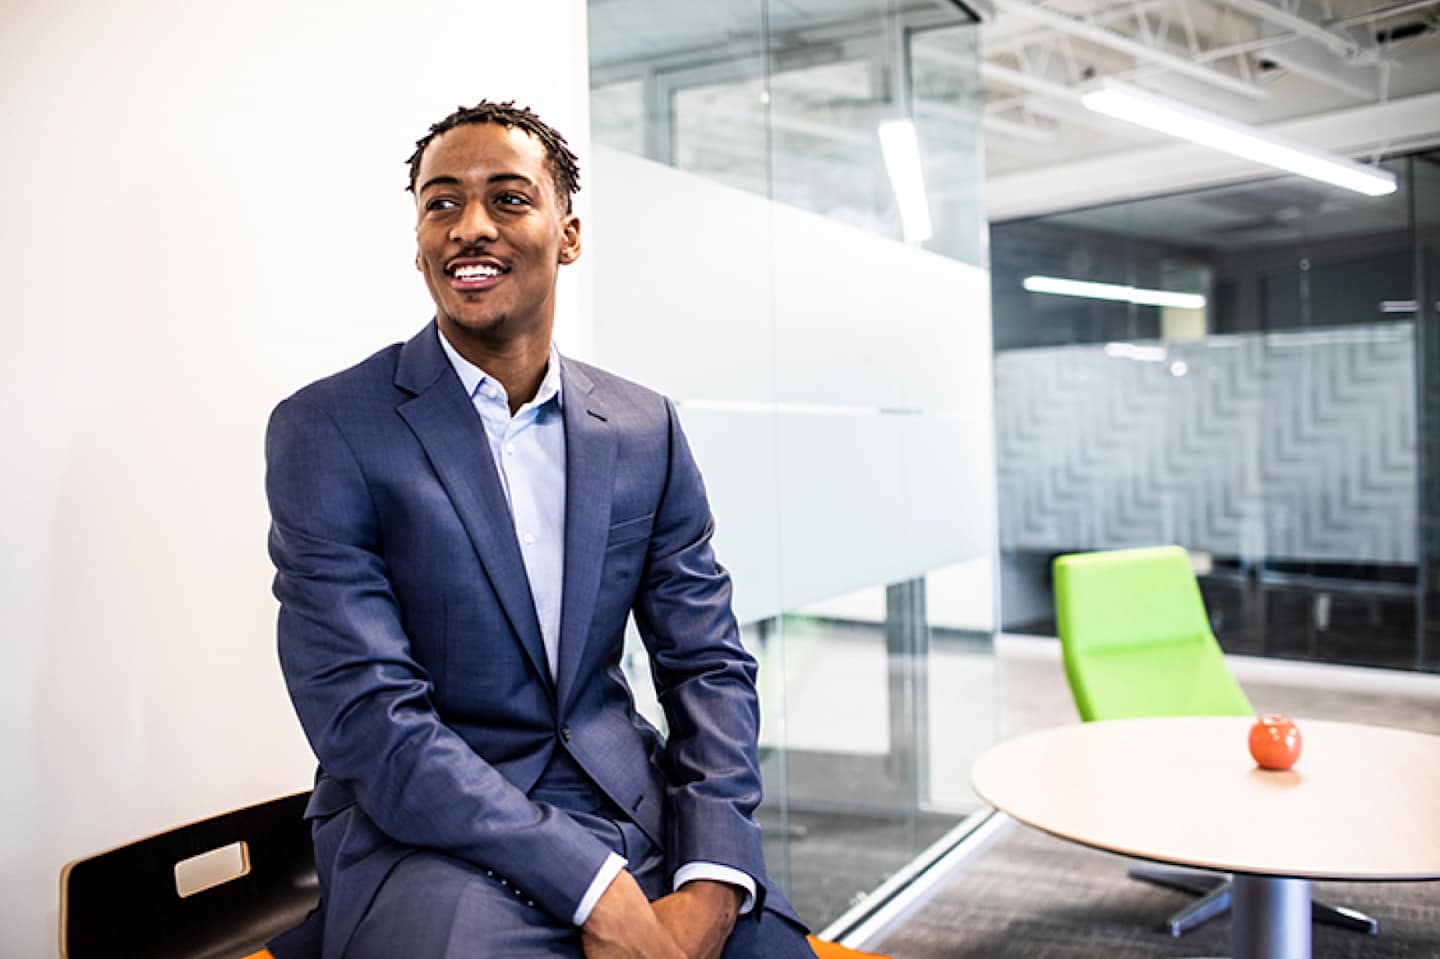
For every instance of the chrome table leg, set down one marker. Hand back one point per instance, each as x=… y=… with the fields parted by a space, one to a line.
x=1271 y=917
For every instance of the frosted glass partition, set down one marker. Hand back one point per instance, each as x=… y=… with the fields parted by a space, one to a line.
x=882 y=389
x=1298 y=446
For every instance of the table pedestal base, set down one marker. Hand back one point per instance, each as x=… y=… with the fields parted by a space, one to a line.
x=1270 y=918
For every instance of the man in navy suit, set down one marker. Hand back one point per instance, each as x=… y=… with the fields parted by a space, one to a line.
x=461 y=525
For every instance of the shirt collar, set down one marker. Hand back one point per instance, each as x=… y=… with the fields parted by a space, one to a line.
x=472 y=377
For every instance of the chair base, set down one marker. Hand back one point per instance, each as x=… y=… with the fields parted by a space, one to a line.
x=1214 y=892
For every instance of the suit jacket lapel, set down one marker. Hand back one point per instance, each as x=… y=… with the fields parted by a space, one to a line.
x=589 y=485
x=443 y=419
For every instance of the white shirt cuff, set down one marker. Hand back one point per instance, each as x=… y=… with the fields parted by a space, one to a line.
x=609 y=869
x=713 y=870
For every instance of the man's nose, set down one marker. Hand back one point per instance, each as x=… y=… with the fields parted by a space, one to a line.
x=474 y=225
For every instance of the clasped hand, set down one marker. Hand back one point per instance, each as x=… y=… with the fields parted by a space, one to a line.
x=691 y=923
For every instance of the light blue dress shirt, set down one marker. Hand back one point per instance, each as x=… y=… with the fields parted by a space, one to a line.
x=529 y=453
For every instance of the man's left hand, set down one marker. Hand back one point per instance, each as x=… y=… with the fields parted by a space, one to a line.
x=699 y=916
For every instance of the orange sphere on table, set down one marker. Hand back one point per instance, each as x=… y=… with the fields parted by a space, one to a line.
x=1275 y=742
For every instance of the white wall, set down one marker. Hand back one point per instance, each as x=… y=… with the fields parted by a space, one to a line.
x=203 y=210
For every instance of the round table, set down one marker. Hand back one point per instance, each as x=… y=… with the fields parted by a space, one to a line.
x=1362 y=803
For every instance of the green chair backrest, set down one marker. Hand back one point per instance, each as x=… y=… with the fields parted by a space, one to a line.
x=1136 y=640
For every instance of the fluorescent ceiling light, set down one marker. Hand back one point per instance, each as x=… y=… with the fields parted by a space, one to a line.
x=1134 y=351
x=1113 y=291
x=902 y=162
x=1217 y=133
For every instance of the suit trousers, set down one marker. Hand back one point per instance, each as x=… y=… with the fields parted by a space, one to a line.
x=434 y=906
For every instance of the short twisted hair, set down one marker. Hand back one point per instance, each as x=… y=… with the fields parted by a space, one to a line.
x=564 y=165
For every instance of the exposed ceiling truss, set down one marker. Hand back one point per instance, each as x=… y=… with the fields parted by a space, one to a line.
x=1227 y=55
x=1159 y=35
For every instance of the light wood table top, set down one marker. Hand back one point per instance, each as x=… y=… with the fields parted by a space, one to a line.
x=1362 y=802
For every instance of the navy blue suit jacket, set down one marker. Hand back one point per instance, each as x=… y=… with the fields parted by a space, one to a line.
x=411 y=648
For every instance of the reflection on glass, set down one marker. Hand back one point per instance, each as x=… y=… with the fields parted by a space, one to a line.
x=720 y=132
x=617 y=115
x=948 y=106
x=788 y=103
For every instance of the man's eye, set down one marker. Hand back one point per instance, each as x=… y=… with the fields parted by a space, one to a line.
x=440 y=203
x=512 y=199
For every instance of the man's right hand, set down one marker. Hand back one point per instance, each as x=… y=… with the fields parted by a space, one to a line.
x=623 y=925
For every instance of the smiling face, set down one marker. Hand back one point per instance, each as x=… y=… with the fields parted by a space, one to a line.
x=491 y=235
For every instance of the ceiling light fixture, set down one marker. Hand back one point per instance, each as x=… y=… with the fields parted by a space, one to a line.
x=1134 y=351
x=902 y=163
x=1178 y=120
x=1113 y=291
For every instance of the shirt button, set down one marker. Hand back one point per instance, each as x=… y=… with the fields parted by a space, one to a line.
x=529 y=538
x=491 y=392
x=565 y=733
x=509 y=447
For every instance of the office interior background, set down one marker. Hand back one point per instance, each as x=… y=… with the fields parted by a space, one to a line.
x=206 y=211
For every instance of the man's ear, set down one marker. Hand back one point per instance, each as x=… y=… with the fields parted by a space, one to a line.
x=418 y=265
x=570 y=239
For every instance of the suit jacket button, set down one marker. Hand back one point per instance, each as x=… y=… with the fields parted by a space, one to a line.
x=565 y=733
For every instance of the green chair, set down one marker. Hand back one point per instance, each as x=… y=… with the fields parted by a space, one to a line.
x=1137 y=642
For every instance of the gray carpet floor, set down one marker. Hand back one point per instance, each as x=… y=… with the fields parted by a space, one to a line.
x=1031 y=896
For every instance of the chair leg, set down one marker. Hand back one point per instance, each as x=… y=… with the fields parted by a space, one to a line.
x=1343 y=917
x=1214 y=903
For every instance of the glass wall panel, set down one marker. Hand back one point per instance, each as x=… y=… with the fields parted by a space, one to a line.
x=1425 y=177
x=1273 y=429
x=758 y=257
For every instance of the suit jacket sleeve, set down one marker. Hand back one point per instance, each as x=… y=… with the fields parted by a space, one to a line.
x=363 y=701
x=704 y=678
